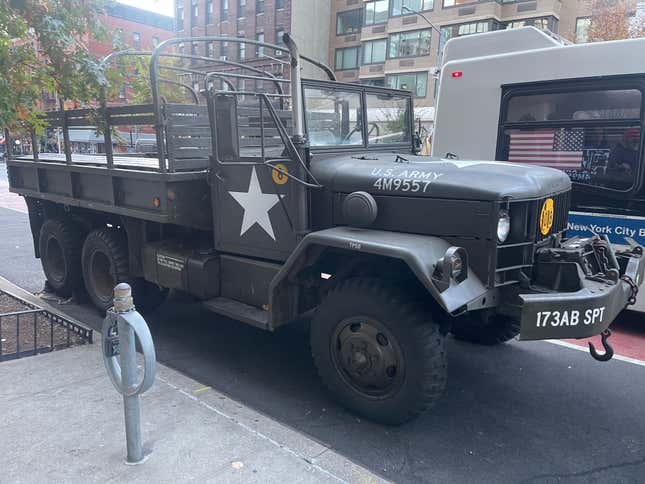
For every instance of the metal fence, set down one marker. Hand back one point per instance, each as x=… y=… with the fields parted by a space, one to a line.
x=27 y=330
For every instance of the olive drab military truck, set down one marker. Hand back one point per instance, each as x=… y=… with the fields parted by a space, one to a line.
x=307 y=196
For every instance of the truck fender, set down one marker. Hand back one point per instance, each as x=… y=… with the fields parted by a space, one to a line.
x=420 y=252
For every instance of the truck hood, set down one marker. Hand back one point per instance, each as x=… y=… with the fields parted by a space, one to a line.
x=422 y=176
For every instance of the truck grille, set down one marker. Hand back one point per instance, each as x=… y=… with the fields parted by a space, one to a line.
x=561 y=203
x=515 y=256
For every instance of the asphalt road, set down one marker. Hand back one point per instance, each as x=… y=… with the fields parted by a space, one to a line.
x=520 y=412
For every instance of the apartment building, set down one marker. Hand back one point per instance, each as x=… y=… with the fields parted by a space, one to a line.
x=392 y=42
x=308 y=21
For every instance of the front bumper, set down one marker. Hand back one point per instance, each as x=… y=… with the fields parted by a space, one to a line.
x=587 y=311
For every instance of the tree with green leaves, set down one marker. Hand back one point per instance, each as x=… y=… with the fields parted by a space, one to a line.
x=44 y=48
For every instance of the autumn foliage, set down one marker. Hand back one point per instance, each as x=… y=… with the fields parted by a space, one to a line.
x=615 y=20
x=43 y=48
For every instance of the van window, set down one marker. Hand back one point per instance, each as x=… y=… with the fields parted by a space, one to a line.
x=603 y=156
x=594 y=136
x=581 y=105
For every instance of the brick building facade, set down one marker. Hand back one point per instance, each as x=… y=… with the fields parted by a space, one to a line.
x=264 y=20
x=133 y=27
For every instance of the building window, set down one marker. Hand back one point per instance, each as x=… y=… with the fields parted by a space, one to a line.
x=223 y=51
x=374 y=51
x=546 y=23
x=279 y=34
x=348 y=22
x=472 y=28
x=194 y=47
x=241 y=49
x=259 y=6
x=194 y=11
x=179 y=16
x=241 y=8
x=410 y=44
x=260 y=48
x=136 y=40
x=376 y=12
x=459 y=30
x=347 y=58
x=223 y=10
x=582 y=29
x=452 y=3
x=415 y=82
x=210 y=49
x=209 y=12
x=400 y=7
x=279 y=4
x=378 y=82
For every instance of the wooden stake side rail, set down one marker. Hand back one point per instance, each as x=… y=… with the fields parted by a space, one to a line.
x=134 y=162
x=124 y=190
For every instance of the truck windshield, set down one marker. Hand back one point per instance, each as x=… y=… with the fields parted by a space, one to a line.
x=333 y=117
x=388 y=119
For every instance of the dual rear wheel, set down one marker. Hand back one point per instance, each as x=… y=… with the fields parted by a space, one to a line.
x=97 y=262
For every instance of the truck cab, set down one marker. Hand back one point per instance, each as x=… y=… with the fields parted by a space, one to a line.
x=310 y=201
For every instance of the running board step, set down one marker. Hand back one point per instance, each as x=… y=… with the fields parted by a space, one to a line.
x=238 y=310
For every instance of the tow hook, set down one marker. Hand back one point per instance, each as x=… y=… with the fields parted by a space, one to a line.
x=609 y=351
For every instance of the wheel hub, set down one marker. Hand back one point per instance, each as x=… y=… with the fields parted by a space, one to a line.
x=368 y=357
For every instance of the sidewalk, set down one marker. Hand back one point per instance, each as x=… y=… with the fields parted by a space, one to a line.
x=62 y=421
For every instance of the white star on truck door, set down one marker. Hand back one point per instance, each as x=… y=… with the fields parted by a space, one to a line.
x=256 y=206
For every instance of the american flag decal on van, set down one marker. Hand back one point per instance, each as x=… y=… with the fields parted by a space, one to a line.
x=557 y=148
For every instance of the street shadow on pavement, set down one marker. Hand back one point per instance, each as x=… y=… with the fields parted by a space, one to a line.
x=519 y=412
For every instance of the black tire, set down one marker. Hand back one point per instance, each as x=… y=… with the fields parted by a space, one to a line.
x=378 y=352
x=105 y=264
x=485 y=328
x=60 y=244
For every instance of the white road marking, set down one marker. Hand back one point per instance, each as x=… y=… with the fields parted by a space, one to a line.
x=626 y=359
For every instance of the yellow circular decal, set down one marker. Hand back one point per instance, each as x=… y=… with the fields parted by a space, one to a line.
x=279 y=174
x=546 y=216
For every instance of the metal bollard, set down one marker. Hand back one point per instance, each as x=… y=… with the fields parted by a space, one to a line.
x=122 y=326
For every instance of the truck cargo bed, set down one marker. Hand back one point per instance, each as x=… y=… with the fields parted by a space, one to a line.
x=132 y=188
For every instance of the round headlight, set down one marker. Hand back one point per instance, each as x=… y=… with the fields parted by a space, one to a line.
x=503 y=226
